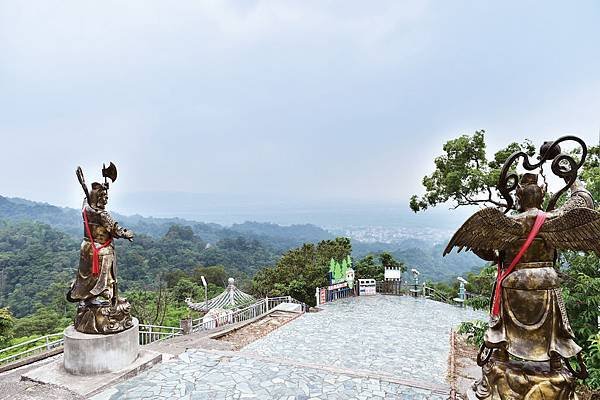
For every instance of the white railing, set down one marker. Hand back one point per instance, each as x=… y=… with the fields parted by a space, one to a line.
x=147 y=335
x=250 y=312
x=31 y=347
x=156 y=333
x=152 y=333
x=275 y=301
x=230 y=317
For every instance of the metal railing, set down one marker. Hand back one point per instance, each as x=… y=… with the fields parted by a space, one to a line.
x=31 y=347
x=391 y=287
x=151 y=333
x=156 y=333
x=229 y=317
x=275 y=301
x=433 y=294
x=244 y=314
x=147 y=335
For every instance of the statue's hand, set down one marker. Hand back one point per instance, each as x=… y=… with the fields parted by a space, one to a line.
x=127 y=234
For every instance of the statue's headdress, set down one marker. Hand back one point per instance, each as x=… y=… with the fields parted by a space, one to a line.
x=107 y=172
x=529 y=179
x=563 y=165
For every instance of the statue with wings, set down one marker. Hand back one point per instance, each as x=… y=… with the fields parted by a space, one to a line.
x=529 y=341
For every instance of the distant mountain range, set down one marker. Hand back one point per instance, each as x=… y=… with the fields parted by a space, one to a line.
x=416 y=253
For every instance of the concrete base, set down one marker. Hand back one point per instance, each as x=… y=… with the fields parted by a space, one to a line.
x=87 y=354
x=54 y=373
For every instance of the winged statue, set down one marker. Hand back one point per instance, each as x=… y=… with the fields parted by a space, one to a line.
x=529 y=343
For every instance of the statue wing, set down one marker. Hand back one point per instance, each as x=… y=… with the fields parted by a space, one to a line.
x=487 y=229
x=575 y=229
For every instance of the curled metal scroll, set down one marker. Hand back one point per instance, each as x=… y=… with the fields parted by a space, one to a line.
x=583 y=372
x=563 y=165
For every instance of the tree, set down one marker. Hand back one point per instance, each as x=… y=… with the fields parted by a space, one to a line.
x=299 y=271
x=367 y=268
x=388 y=261
x=7 y=324
x=215 y=275
x=184 y=289
x=464 y=175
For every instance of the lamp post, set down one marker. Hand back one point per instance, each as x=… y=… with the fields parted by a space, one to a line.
x=205 y=292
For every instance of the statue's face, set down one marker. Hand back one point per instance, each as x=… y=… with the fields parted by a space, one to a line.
x=102 y=199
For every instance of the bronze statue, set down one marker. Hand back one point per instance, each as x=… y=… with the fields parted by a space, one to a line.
x=95 y=288
x=529 y=341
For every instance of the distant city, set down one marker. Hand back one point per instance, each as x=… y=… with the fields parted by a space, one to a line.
x=392 y=235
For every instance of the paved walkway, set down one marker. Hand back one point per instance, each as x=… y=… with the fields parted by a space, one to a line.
x=359 y=348
x=201 y=374
x=398 y=335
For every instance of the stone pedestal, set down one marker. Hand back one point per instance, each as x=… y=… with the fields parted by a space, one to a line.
x=87 y=354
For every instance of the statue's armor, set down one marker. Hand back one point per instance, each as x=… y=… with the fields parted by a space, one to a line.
x=532 y=307
x=103 y=229
x=100 y=310
x=102 y=225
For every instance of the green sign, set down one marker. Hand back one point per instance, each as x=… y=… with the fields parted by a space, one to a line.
x=339 y=270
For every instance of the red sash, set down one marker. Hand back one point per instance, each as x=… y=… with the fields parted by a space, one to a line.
x=539 y=221
x=95 y=250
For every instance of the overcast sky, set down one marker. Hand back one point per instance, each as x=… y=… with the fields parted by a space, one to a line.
x=310 y=100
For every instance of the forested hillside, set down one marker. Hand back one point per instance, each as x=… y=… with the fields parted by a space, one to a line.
x=39 y=252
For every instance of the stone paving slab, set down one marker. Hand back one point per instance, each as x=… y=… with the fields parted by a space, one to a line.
x=377 y=347
x=54 y=374
x=198 y=374
x=398 y=335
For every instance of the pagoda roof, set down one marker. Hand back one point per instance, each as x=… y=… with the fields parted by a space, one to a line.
x=231 y=298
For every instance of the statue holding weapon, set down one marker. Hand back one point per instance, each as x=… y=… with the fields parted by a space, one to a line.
x=95 y=288
x=528 y=348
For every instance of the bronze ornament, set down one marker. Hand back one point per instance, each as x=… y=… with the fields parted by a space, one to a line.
x=529 y=342
x=95 y=288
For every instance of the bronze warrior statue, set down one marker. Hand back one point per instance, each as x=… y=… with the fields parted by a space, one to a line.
x=529 y=342
x=100 y=308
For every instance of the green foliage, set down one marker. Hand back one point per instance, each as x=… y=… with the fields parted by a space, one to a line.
x=42 y=322
x=215 y=275
x=444 y=291
x=371 y=268
x=37 y=263
x=463 y=175
x=367 y=268
x=480 y=287
x=592 y=361
x=301 y=270
x=474 y=331
x=388 y=261
x=581 y=292
x=7 y=323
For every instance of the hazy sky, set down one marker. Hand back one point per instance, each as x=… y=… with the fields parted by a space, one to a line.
x=309 y=100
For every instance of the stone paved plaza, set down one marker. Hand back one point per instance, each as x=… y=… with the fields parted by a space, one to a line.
x=398 y=335
x=358 y=348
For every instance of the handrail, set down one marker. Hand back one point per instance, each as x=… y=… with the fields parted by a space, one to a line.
x=29 y=341
x=46 y=343
x=428 y=290
x=147 y=335
x=154 y=333
x=244 y=314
